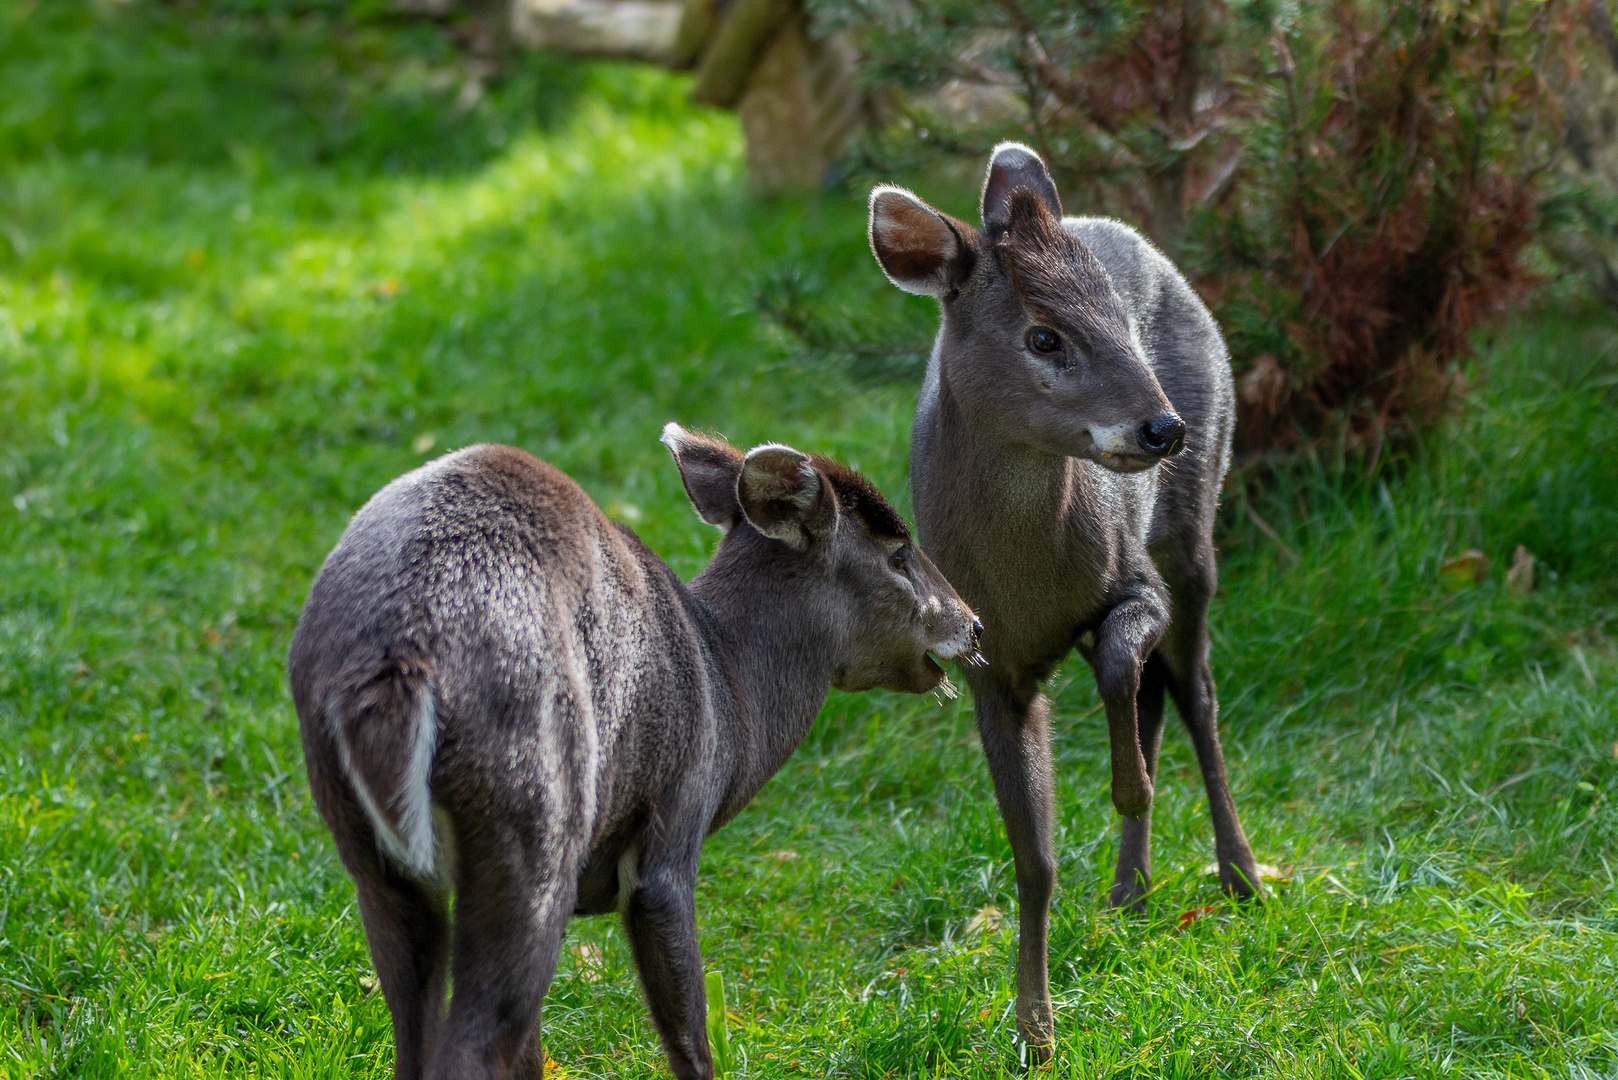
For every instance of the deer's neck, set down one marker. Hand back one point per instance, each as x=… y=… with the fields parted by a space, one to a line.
x=998 y=482
x=776 y=672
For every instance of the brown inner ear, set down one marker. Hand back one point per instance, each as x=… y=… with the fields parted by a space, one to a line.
x=772 y=493
x=914 y=242
x=1006 y=180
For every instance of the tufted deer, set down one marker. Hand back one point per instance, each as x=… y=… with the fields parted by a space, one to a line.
x=504 y=694
x=1066 y=461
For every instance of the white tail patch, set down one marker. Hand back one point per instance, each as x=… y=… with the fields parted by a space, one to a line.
x=412 y=842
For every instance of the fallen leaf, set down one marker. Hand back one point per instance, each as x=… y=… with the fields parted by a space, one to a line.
x=424 y=442
x=588 y=961
x=552 y=1071
x=782 y=856
x=1584 y=666
x=1280 y=875
x=1265 y=383
x=1188 y=917
x=1468 y=568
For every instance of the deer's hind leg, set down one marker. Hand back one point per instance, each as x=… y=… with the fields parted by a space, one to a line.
x=1191 y=683
x=407 y=927
x=514 y=893
x=406 y=921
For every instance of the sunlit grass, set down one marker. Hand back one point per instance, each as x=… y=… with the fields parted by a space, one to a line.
x=214 y=348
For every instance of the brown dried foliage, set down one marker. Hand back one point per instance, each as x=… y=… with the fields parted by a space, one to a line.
x=1155 y=96
x=1393 y=277
x=1354 y=192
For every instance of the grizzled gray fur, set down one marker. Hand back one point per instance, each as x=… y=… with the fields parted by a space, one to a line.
x=1066 y=461
x=505 y=695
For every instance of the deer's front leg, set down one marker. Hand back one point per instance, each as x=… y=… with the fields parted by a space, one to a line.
x=1132 y=880
x=661 y=921
x=1015 y=727
x=1124 y=640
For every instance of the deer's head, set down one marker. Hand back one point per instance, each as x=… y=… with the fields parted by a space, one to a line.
x=1035 y=343
x=812 y=542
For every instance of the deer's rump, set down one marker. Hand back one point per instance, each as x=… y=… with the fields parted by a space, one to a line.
x=508 y=633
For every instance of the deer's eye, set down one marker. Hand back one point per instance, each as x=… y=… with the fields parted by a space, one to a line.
x=900 y=560
x=1043 y=339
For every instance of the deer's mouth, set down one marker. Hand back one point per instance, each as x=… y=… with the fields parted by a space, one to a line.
x=1123 y=462
x=1116 y=448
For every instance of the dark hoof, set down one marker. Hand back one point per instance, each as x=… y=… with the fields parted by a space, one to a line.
x=1040 y=1056
x=1242 y=882
x=1036 y=1024
x=1130 y=898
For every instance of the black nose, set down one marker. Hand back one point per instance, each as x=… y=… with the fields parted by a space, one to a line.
x=1163 y=436
x=977 y=628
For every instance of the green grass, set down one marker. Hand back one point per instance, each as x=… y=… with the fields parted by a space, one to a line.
x=229 y=311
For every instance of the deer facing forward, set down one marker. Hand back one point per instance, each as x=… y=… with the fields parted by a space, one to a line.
x=504 y=695
x=1069 y=446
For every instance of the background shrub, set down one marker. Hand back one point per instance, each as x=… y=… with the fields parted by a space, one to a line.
x=1354 y=186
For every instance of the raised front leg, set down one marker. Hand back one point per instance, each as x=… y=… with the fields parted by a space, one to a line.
x=1015 y=728
x=1124 y=640
x=661 y=921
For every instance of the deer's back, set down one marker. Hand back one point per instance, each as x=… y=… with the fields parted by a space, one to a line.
x=544 y=631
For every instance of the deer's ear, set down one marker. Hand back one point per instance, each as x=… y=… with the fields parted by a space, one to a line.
x=921 y=250
x=709 y=467
x=784 y=496
x=1012 y=166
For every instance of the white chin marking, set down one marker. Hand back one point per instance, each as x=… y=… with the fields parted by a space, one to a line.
x=1116 y=439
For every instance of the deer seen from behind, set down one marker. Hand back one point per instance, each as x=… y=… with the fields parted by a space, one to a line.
x=505 y=696
x=1067 y=454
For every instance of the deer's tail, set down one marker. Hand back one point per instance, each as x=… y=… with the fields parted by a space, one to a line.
x=385 y=726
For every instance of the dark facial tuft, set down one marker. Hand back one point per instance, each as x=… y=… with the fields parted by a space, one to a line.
x=1055 y=276
x=857 y=495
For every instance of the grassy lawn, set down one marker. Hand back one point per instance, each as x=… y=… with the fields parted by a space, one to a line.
x=251 y=269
